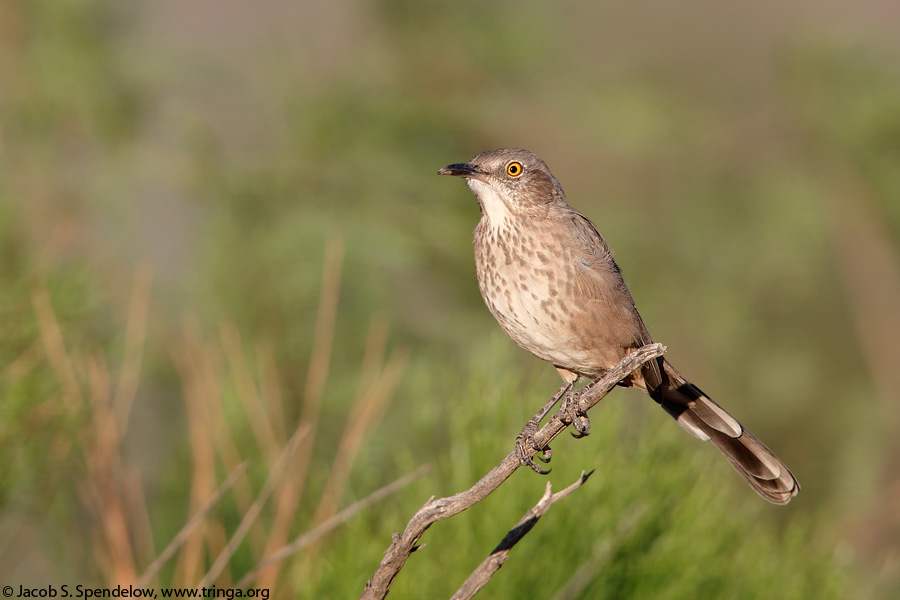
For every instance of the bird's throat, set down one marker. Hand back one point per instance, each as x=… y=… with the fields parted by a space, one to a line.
x=495 y=208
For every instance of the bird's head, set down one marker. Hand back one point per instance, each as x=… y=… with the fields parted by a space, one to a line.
x=509 y=180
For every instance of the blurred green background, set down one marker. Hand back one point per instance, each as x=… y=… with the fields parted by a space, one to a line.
x=220 y=225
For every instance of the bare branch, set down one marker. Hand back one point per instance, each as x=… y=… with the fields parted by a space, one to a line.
x=442 y=508
x=490 y=565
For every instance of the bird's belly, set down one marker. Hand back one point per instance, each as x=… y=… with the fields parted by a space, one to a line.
x=530 y=304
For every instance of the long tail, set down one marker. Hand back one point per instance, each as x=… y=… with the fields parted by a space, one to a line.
x=706 y=420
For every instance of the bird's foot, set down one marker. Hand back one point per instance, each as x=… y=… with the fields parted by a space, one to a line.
x=575 y=415
x=525 y=444
x=526 y=447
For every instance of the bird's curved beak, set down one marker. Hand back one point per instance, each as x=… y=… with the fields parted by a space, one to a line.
x=465 y=170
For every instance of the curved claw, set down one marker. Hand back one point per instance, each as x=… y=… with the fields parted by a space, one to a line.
x=582 y=425
x=537 y=469
x=528 y=461
x=544 y=455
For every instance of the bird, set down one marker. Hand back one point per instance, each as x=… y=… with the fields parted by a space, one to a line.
x=550 y=280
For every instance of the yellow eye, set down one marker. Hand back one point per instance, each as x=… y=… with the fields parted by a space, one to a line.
x=514 y=169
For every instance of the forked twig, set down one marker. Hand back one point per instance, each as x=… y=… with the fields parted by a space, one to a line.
x=441 y=508
x=490 y=565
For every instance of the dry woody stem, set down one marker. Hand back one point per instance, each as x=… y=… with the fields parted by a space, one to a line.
x=490 y=565
x=436 y=509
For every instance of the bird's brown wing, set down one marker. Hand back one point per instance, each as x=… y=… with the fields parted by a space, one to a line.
x=600 y=279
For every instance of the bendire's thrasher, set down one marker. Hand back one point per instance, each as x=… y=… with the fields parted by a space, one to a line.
x=551 y=282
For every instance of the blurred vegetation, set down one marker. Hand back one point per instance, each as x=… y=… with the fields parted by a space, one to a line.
x=220 y=230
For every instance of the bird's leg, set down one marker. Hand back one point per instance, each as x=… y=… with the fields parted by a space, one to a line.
x=525 y=439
